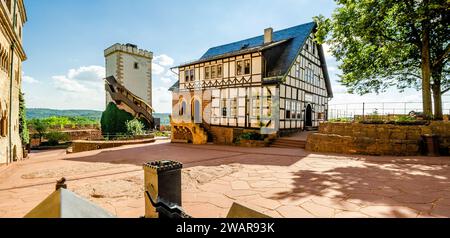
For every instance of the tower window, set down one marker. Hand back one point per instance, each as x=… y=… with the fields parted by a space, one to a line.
x=136 y=65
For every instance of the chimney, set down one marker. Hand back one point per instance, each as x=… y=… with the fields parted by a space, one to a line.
x=268 y=34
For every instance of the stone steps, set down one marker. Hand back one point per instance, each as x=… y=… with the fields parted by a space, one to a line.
x=287 y=143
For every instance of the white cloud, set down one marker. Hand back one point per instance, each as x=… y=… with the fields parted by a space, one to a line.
x=157 y=69
x=29 y=80
x=171 y=74
x=164 y=60
x=83 y=79
x=327 y=51
x=89 y=73
x=162 y=99
x=166 y=80
x=68 y=85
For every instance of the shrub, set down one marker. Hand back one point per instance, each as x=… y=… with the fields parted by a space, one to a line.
x=344 y=119
x=55 y=137
x=114 y=120
x=251 y=136
x=165 y=128
x=161 y=133
x=405 y=119
x=135 y=127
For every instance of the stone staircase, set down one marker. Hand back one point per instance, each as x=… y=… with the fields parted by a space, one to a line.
x=311 y=128
x=289 y=143
x=294 y=141
x=212 y=136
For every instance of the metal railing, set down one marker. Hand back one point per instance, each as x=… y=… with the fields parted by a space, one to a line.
x=351 y=110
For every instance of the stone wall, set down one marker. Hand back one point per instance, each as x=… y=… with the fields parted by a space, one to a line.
x=89 y=134
x=370 y=139
x=229 y=135
x=84 y=145
x=223 y=135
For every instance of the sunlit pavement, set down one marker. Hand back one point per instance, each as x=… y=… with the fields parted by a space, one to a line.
x=277 y=182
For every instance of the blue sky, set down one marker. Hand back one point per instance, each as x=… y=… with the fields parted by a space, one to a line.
x=64 y=41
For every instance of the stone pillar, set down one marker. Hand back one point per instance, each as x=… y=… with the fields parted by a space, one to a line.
x=162 y=180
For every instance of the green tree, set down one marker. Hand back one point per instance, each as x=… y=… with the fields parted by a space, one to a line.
x=41 y=128
x=114 y=120
x=23 y=127
x=135 y=127
x=385 y=43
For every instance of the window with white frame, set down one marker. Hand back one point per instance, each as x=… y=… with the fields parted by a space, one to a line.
x=192 y=74
x=309 y=74
x=246 y=66
x=207 y=72
x=288 y=109
x=233 y=107
x=299 y=110
x=239 y=67
x=187 y=74
x=293 y=110
x=219 y=71
x=213 y=72
x=182 y=107
x=243 y=67
x=256 y=104
x=224 y=107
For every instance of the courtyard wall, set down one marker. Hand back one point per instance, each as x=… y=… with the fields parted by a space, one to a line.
x=376 y=139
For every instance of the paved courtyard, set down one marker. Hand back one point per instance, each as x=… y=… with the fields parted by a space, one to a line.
x=277 y=182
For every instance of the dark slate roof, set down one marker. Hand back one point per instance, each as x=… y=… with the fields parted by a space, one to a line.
x=300 y=32
x=280 y=56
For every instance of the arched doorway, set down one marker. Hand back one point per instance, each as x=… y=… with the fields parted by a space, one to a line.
x=308 y=116
x=196 y=111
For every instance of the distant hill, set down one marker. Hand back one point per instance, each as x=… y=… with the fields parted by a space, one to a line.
x=39 y=113
x=165 y=120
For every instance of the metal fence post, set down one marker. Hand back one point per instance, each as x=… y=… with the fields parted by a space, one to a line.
x=364 y=111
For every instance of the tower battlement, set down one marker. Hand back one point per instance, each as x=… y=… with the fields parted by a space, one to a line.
x=130 y=49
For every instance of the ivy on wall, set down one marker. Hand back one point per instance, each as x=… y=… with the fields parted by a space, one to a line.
x=23 y=127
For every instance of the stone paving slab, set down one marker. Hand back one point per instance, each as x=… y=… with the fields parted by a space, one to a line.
x=276 y=182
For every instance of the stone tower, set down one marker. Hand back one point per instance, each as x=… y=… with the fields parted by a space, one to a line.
x=132 y=68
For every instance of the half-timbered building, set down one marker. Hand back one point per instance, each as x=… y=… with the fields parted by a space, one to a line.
x=274 y=83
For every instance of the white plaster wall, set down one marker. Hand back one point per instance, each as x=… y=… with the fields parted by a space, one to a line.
x=137 y=81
